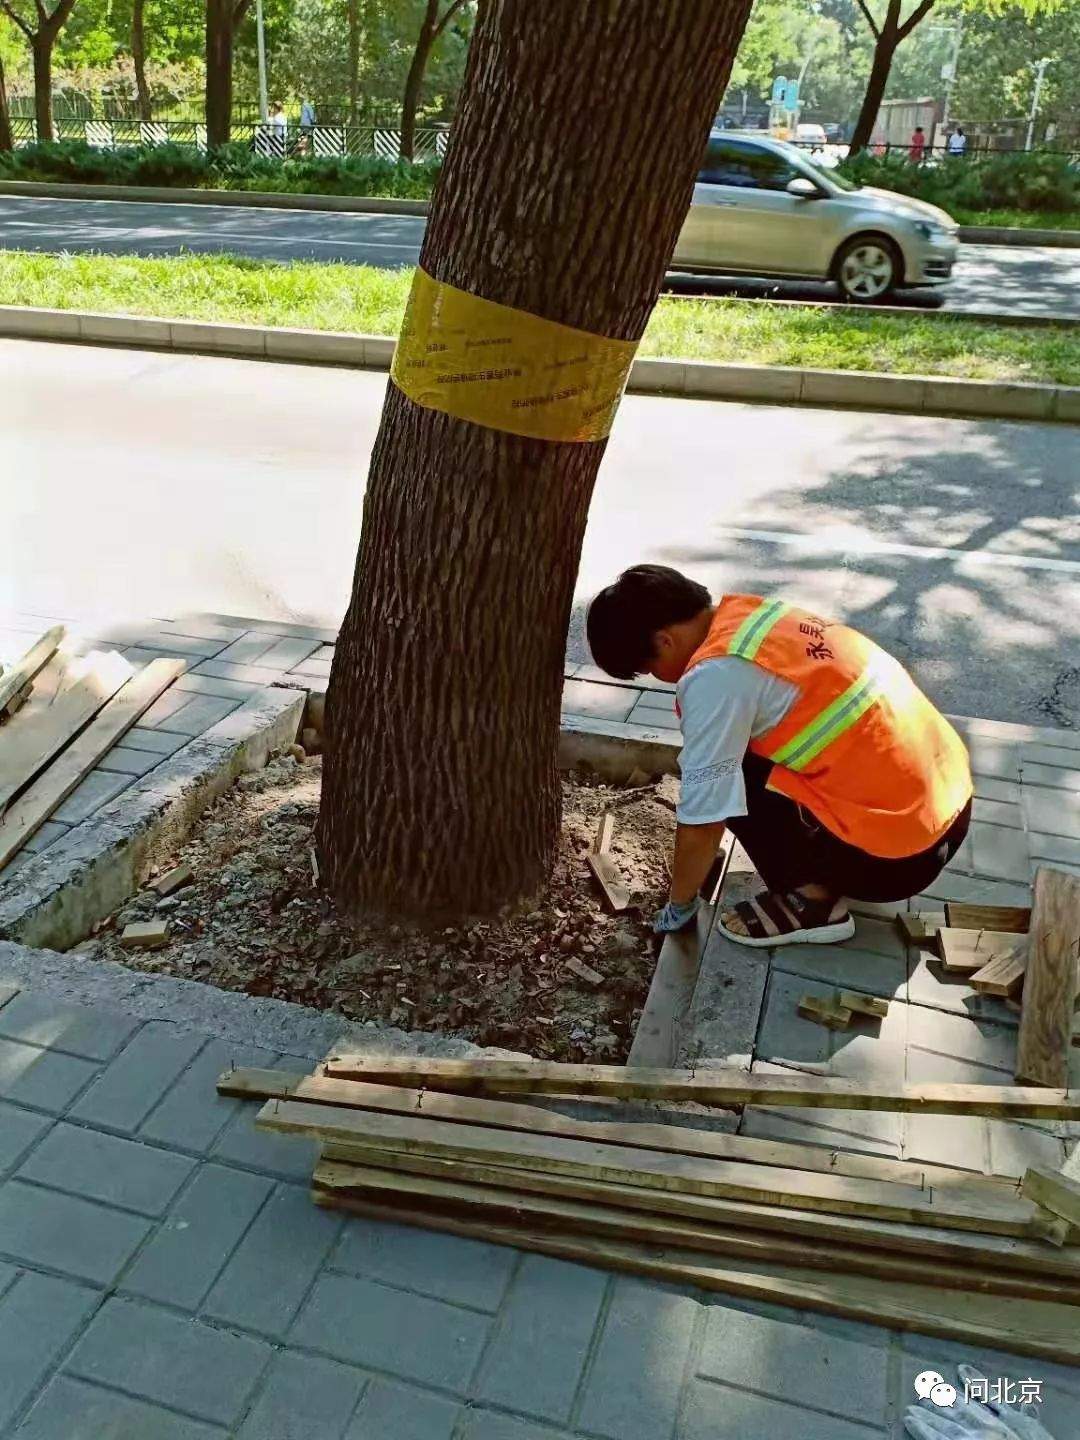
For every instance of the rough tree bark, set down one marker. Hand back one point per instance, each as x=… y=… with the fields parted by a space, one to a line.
x=430 y=30
x=7 y=140
x=887 y=36
x=138 y=56
x=41 y=41
x=354 y=62
x=570 y=168
x=223 y=18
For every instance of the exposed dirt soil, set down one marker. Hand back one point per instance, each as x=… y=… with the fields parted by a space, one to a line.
x=255 y=920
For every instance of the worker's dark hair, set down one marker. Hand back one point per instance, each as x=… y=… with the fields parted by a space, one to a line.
x=624 y=617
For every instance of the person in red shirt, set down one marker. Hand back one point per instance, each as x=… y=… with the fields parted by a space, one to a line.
x=918 y=146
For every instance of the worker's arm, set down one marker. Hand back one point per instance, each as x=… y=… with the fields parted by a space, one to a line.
x=695 y=851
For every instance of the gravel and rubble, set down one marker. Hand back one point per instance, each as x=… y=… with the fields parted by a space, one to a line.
x=255 y=920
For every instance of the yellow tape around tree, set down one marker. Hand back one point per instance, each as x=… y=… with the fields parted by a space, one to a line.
x=506 y=369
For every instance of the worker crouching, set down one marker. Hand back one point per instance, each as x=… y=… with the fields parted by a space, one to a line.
x=804 y=738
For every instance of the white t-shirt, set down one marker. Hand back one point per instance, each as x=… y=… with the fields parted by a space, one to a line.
x=724 y=704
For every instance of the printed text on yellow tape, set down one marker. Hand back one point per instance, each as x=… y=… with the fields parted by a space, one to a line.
x=506 y=369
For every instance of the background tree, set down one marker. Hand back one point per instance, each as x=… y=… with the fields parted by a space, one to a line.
x=223 y=18
x=888 y=30
x=7 y=141
x=570 y=167
x=41 y=29
x=354 y=61
x=138 y=56
x=431 y=27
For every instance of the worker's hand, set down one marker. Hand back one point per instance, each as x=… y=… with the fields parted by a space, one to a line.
x=972 y=1420
x=675 y=917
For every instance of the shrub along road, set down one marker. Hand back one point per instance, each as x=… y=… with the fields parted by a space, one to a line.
x=1022 y=280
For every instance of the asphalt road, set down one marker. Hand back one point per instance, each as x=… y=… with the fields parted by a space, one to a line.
x=134 y=484
x=1035 y=281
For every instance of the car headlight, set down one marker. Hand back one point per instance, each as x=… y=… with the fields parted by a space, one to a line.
x=929 y=231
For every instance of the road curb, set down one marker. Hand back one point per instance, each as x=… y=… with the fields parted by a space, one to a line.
x=380 y=205
x=686 y=379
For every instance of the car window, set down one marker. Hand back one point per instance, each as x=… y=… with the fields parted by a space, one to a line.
x=748 y=166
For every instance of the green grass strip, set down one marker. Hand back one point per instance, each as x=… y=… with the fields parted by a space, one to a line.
x=361 y=299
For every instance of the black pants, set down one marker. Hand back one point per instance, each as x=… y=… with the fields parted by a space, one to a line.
x=789 y=847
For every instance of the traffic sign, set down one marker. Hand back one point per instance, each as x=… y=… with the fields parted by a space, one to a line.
x=779 y=85
x=790 y=99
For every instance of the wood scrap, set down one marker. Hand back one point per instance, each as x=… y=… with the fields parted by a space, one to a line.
x=1029 y=1327
x=584 y=972
x=978 y=1210
x=38 y=732
x=173 y=880
x=724 y=1088
x=862 y=1004
x=1053 y=1191
x=1050 y=983
x=17 y=701
x=824 y=1010
x=604 y=833
x=965 y=951
x=1012 y=919
x=17 y=680
x=338 y=1179
x=659 y=1029
x=145 y=935
x=37 y=802
x=913 y=928
x=1003 y=976
x=609 y=878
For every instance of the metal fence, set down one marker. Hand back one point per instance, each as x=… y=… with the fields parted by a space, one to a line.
x=273 y=141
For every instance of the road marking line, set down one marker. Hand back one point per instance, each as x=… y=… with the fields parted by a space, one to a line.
x=859 y=543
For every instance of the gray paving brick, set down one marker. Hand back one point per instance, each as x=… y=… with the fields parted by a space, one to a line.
x=106 y=1168
x=977 y=1042
x=96 y=790
x=1000 y=852
x=1056 y=776
x=661 y=718
x=161 y=742
x=62 y=1232
x=125 y=1093
x=42 y=1078
x=805 y=1360
x=126 y=760
x=637 y=1372
x=195 y=716
x=192 y=1113
x=272 y=627
x=718 y=1412
x=44 y=836
x=986 y=811
x=286 y=654
x=1056 y=812
x=602 y=702
x=213 y=685
x=846 y=966
x=874 y=1132
x=252 y=645
x=465 y=1272
x=536 y=1356
x=142 y=655
x=170 y=1360
x=38 y=1317
x=19 y=1129
x=960 y=1140
x=305 y=1398
x=485 y=1425
x=784 y=1033
x=89 y=1031
x=367 y=1324
x=1014 y=1147
x=224 y=670
x=393 y=1410
x=312 y=669
x=171 y=641
x=8 y=1276
x=186 y=1255
x=286 y=1156
x=201 y=627
x=263 y=1284
x=1061 y=850
x=933 y=988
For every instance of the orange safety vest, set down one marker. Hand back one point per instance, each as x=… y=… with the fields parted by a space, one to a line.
x=862 y=747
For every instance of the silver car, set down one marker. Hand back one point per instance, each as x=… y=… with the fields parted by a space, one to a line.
x=762 y=207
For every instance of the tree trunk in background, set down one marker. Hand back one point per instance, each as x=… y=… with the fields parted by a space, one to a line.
x=138 y=55
x=415 y=79
x=354 y=62
x=7 y=140
x=570 y=168
x=875 y=92
x=222 y=19
x=41 y=48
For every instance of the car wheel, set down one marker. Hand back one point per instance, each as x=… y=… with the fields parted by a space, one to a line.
x=866 y=269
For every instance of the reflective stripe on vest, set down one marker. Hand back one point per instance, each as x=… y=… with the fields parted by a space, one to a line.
x=747 y=640
x=835 y=720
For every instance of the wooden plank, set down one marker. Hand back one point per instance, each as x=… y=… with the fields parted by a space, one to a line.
x=609 y=878
x=34 y=806
x=725 y=1088
x=174 y=879
x=798 y=1189
x=965 y=951
x=34 y=736
x=1028 y=1327
x=23 y=671
x=824 y=1010
x=862 y=1004
x=1050 y=984
x=1053 y=1191
x=604 y=833
x=656 y=1038
x=676 y=1139
x=1005 y=975
x=960 y=1246
x=1015 y=919
x=512 y=1206
x=913 y=928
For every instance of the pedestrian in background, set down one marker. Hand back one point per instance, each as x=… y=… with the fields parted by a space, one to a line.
x=918 y=146
x=957 y=143
x=307 y=115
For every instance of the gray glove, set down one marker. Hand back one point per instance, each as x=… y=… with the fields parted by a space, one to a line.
x=970 y=1420
x=675 y=917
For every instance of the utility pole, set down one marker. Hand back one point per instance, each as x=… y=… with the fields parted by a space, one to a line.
x=1040 y=72
x=260 y=41
x=950 y=68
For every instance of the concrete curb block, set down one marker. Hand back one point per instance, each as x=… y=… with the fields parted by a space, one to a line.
x=701 y=380
x=173 y=195
x=55 y=900
x=614 y=750
x=1017 y=235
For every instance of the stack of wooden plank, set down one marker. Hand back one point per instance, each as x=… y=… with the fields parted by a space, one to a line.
x=59 y=716
x=450 y=1145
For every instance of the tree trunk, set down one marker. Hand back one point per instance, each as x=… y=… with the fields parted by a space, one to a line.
x=219 y=62
x=354 y=62
x=415 y=79
x=440 y=787
x=41 y=48
x=884 y=51
x=7 y=140
x=138 y=55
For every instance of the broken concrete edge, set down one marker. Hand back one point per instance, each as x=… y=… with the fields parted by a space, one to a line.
x=177 y=195
x=679 y=379
x=54 y=901
x=1018 y=235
